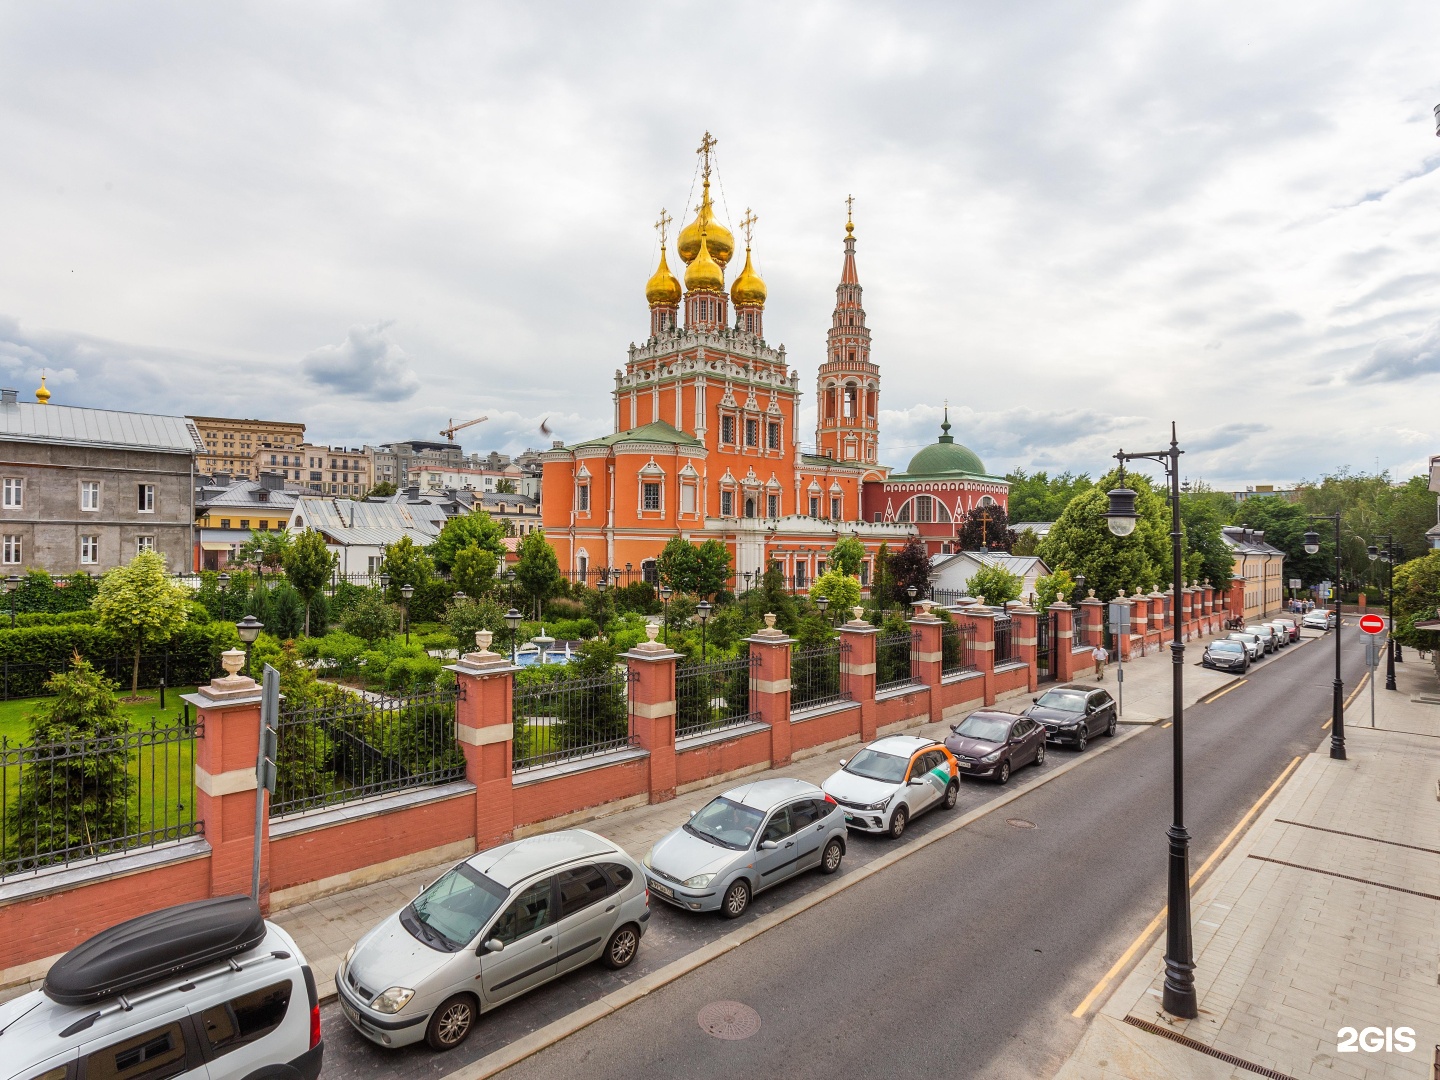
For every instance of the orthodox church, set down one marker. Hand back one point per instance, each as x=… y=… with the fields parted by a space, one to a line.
x=707 y=443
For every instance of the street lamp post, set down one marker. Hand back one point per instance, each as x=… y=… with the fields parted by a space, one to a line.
x=224 y=580
x=512 y=621
x=822 y=602
x=1337 y=704
x=249 y=629
x=11 y=584
x=1390 y=554
x=665 y=593
x=406 y=592
x=510 y=582
x=1178 y=997
x=702 y=612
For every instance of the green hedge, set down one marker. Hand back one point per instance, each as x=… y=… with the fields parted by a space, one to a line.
x=55 y=618
x=30 y=655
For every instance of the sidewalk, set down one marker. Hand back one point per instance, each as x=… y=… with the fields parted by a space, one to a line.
x=1326 y=915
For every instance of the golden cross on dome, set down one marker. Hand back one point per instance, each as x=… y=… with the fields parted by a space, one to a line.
x=748 y=224
x=849 y=209
x=662 y=225
x=706 y=145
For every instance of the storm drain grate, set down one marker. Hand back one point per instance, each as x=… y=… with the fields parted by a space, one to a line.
x=1220 y=1055
x=1345 y=877
x=728 y=1020
x=1020 y=823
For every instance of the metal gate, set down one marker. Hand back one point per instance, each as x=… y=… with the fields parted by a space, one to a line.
x=1044 y=647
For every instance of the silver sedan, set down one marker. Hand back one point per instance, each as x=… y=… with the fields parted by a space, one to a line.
x=744 y=841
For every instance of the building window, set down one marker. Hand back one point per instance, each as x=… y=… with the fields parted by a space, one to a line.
x=374 y=564
x=144 y=544
x=923 y=510
x=772 y=506
x=727 y=504
x=835 y=507
x=687 y=498
x=649 y=572
x=727 y=431
x=10 y=550
x=650 y=496
x=800 y=581
x=582 y=499
x=224 y=523
x=90 y=495
x=752 y=432
x=244 y=523
x=772 y=435
x=865 y=573
x=145 y=498
x=749 y=506
x=14 y=496
x=815 y=506
x=89 y=550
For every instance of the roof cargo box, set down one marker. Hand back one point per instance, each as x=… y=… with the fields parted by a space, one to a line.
x=154 y=947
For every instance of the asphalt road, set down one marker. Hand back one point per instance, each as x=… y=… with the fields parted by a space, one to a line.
x=967 y=958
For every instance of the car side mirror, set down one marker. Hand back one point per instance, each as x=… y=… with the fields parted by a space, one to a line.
x=954 y=727
x=694 y=812
x=493 y=945
x=1036 y=700
x=768 y=845
x=844 y=762
x=917 y=780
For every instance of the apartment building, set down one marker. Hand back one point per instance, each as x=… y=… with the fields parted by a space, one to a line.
x=347 y=471
x=237 y=447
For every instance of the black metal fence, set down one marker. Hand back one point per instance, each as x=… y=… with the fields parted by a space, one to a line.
x=815 y=676
x=955 y=642
x=359 y=747
x=948 y=597
x=714 y=696
x=67 y=802
x=28 y=680
x=1004 y=649
x=892 y=660
x=1081 y=630
x=571 y=718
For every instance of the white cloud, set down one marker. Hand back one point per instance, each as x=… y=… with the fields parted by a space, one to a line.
x=367 y=364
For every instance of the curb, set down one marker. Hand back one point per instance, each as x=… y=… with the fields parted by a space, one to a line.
x=499 y=1060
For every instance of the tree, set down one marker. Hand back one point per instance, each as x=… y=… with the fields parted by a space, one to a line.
x=538 y=571
x=1081 y=542
x=476 y=528
x=142 y=605
x=882 y=584
x=840 y=588
x=383 y=490
x=677 y=563
x=308 y=566
x=464 y=617
x=910 y=566
x=1027 y=543
x=505 y=487
x=986 y=529
x=1049 y=588
x=1285 y=524
x=996 y=584
x=407 y=564
x=1202 y=516
x=1040 y=497
x=369 y=616
x=847 y=556
x=264 y=550
x=473 y=570
x=1417 y=599
x=712 y=570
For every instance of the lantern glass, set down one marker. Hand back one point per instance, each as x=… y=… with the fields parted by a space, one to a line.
x=1312 y=542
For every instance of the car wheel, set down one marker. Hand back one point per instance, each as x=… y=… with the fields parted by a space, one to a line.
x=620 y=950
x=1002 y=775
x=451 y=1023
x=737 y=899
x=1114 y=723
x=952 y=794
x=830 y=860
x=1082 y=739
x=898 y=821
x=1040 y=755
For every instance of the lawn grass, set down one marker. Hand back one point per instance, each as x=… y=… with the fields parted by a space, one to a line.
x=15 y=723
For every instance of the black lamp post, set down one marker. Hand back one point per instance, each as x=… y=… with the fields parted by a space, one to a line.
x=702 y=612
x=406 y=592
x=510 y=581
x=665 y=593
x=512 y=620
x=224 y=580
x=823 y=603
x=911 y=592
x=1391 y=553
x=747 y=580
x=11 y=584
x=1337 y=705
x=1178 y=997
x=249 y=629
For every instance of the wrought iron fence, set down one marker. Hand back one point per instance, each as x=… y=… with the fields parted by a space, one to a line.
x=948 y=597
x=955 y=642
x=28 y=680
x=571 y=718
x=892 y=660
x=66 y=802
x=1081 y=630
x=1004 y=650
x=714 y=696
x=357 y=747
x=815 y=676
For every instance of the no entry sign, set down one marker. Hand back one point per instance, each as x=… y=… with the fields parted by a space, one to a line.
x=1372 y=624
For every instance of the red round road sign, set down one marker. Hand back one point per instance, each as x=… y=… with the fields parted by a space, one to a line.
x=1372 y=624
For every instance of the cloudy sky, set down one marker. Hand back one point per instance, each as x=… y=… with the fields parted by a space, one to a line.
x=1076 y=220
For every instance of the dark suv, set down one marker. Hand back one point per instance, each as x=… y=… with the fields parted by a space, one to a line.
x=1074 y=713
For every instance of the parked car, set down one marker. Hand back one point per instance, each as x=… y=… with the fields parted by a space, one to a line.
x=994 y=743
x=1319 y=619
x=1266 y=633
x=207 y=989
x=1282 y=632
x=1253 y=645
x=496 y=925
x=1074 y=713
x=892 y=781
x=1226 y=655
x=1290 y=626
x=745 y=841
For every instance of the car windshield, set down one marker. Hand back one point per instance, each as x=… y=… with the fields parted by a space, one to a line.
x=877 y=766
x=1062 y=700
x=1226 y=646
x=726 y=823
x=452 y=911
x=984 y=728
x=1242 y=637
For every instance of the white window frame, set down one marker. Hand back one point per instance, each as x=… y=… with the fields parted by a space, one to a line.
x=11 y=549
x=727 y=503
x=815 y=506
x=145 y=499
x=14 y=493
x=145 y=542
x=582 y=498
x=659 y=487
x=89 y=550
x=772 y=506
x=836 y=507
x=90 y=487
x=687 y=498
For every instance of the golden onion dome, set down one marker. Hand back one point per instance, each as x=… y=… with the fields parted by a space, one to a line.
x=704 y=273
x=721 y=241
x=42 y=395
x=663 y=286
x=749 y=287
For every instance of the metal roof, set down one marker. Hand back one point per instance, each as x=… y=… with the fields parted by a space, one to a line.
x=244 y=493
x=347 y=522
x=31 y=422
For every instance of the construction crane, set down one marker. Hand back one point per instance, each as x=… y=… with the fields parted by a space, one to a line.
x=449 y=432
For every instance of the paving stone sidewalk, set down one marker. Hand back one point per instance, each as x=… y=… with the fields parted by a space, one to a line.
x=1326 y=915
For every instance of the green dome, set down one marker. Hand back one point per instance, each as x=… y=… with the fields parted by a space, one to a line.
x=945 y=456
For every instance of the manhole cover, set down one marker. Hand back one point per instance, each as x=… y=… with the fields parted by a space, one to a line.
x=729 y=1020
x=1020 y=823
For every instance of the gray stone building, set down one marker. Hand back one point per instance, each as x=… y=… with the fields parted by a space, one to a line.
x=86 y=489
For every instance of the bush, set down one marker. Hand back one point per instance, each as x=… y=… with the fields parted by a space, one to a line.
x=34 y=653
x=39 y=592
x=411 y=674
x=637 y=596
x=467 y=616
x=370 y=617
x=565 y=608
x=58 y=618
x=341 y=652
x=440 y=639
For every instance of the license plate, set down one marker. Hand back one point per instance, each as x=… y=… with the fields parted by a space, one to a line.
x=965 y=765
x=663 y=890
x=849 y=817
x=350 y=1013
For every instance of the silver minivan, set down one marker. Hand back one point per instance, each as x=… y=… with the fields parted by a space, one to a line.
x=500 y=923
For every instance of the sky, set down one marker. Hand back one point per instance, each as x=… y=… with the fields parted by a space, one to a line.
x=1076 y=221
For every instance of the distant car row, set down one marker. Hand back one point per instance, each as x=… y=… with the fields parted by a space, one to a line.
x=1240 y=648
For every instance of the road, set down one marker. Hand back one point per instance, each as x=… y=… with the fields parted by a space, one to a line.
x=964 y=959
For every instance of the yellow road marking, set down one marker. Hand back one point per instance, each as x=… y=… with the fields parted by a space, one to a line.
x=1154 y=925
x=1221 y=693
x=1167 y=723
x=1326 y=726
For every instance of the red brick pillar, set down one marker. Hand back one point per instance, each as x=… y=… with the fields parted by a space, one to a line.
x=485 y=729
x=1024 y=630
x=1158 y=633
x=1062 y=645
x=926 y=656
x=652 y=710
x=770 y=686
x=1235 y=602
x=1187 y=597
x=982 y=648
x=227 y=712
x=1092 y=613
x=857 y=671
x=1207 y=601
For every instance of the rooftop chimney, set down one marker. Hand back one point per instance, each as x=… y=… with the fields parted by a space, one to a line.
x=9 y=397
x=272 y=481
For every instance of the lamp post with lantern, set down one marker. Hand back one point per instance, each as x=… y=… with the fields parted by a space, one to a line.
x=823 y=603
x=1178 y=997
x=665 y=593
x=1390 y=554
x=249 y=629
x=11 y=584
x=702 y=612
x=406 y=592
x=512 y=623
x=1337 y=704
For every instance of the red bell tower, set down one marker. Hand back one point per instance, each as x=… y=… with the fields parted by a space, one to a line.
x=848 y=383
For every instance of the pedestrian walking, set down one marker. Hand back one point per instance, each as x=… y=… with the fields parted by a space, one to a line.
x=1100 y=656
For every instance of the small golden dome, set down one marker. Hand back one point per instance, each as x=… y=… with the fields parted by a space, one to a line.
x=749 y=287
x=704 y=274
x=42 y=395
x=663 y=286
x=720 y=240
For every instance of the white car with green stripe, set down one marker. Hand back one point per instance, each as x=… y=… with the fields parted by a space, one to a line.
x=889 y=783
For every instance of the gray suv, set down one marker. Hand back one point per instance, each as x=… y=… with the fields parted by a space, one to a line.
x=500 y=923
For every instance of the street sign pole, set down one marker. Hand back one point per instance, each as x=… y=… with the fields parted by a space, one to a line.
x=265 y=764
x=1372 y=661
x=1119 y=624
